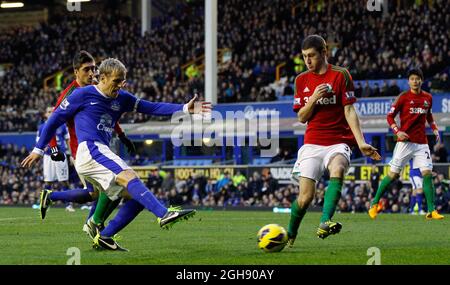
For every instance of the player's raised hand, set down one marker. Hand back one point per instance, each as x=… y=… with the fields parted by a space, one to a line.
x=370 y=151
x=30 y=160
x=199 y=107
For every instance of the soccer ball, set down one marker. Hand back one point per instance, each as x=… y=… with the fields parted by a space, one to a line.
x=272 y=238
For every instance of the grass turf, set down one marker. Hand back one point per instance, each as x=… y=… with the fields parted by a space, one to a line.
x=224 y=238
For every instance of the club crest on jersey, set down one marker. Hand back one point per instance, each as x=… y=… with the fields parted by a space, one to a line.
x=425 y=104
x=115 y=106
x=64 y=104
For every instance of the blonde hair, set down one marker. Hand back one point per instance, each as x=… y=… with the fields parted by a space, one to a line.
x=110 y=65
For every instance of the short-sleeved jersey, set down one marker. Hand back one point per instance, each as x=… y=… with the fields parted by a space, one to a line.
x=415 y=110
x=61 y=136
x=327 y=124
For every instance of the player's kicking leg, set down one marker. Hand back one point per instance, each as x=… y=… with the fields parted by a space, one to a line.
x=135 y=189
x=299 y=207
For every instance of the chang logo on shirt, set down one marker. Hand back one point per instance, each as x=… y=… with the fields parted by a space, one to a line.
x=115 y=106
x=105 y=124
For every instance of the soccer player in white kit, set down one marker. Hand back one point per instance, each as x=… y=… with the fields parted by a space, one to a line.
x=414 y=107
x=324 y=97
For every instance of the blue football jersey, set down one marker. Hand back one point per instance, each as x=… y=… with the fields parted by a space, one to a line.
x=96 y=114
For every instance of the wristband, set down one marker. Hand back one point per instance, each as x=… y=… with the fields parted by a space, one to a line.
x=434 y=126
x=395 y=129
x=38 y=151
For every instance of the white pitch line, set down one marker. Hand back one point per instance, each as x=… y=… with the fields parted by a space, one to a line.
x=16 y=218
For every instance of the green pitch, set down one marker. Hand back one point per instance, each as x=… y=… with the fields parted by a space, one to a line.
x=223 y=237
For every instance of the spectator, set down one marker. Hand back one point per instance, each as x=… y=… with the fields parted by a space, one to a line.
x=168 y=182
x=238 y=178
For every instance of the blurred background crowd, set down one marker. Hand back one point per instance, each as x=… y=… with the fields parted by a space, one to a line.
x=22 y=187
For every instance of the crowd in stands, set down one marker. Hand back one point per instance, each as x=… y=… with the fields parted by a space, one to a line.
x=260 y=35
x=21 y=186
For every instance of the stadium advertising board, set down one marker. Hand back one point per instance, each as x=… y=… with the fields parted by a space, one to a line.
x=282 y=173
x=213 y=172
x=364 y=107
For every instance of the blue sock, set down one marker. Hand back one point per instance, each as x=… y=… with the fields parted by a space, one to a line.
x=80 y=196
x=412 y=204
x=126 y=214
x=92 y=211
x=419 y=200
x=146 y=198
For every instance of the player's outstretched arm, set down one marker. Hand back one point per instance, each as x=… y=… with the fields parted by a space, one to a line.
x=167 y=109
x=48 y=131
x=353 y=122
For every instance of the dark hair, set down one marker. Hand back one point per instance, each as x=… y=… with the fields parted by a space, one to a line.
x=415 y=71
x=80 y=58
x=314 y=41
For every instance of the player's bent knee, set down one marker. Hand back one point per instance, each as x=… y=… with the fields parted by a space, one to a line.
x=393 y=175
x=304 y=201
x=425 y=172
x=125 y=176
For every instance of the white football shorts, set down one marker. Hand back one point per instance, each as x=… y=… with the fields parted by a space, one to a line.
x=100 y=166
x=55 y=170
x=404 y=151
x=312 y=160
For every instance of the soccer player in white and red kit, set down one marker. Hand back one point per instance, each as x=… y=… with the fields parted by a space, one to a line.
x=414 y=107
x=324 y=99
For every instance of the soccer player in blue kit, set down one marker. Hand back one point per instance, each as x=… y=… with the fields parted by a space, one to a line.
x=96 y=109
